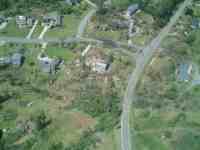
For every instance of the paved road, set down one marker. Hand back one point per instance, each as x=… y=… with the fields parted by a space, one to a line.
x=84 y=22
x=142 y=60
x=114 y=44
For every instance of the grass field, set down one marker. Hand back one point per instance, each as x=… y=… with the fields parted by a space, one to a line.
x=59 y=52
x=161 y=130
x=111 y=141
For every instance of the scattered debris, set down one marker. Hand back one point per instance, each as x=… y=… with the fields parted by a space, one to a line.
x=97 y=62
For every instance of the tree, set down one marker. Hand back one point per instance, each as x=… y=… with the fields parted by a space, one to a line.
x=41 y=120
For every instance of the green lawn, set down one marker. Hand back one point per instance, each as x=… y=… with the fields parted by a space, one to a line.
x=13 y=30
x=5 y=50
x=150 y=142
x=63 y=53
x=111 y=141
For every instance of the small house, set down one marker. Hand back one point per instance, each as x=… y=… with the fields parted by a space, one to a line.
x=30 y=21
x=53 y=19
x=195 y=23
x=132 y=9
x=2 y=19
x=49 y=65
x=21 y=21
x=25 y=21
x=184 y=72
x=15 y=59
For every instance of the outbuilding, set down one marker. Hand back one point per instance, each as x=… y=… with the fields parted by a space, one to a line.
x=195 y=23
x=184 y=72
x=25 y=21
x=54 y=19
x=49 y=65
x=132 y=9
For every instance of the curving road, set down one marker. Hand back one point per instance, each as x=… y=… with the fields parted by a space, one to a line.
x=143 y=60
x=84 y=22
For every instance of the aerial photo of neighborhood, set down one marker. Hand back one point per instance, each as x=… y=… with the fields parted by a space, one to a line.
x=99 y=74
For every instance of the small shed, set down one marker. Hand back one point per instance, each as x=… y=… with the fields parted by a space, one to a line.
x=21 y=21
x=30 y=21
x=2 y=19
x=54 y=19
x=184 y=72
x=25 y=21
x=132 y=9
x=195 y=23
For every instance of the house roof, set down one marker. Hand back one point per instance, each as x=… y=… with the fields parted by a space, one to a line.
x=72 y=2
x=133 y=8
x=183 y=74
x=195 y=23
x=48 y=65
x=16 y=59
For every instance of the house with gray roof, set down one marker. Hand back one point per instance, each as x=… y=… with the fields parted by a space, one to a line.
x=195 y=23
x=15 y=59
x=54 y=19
x=184 y=72
x=49 y=65
x=25 y=21
x=132 y=9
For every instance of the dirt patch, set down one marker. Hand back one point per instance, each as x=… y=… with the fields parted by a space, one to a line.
x=82 y=121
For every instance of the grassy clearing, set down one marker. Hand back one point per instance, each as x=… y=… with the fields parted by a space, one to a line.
x=59 y=52
x=150 y=142
x=110 y=141
x=156 y=130
x=6 y=49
